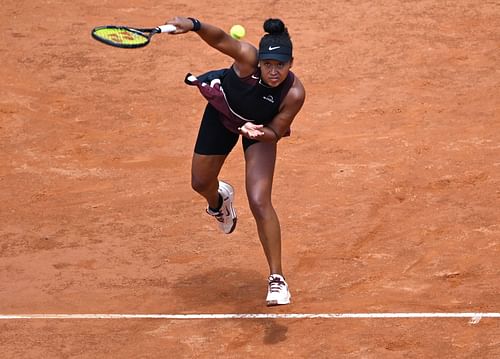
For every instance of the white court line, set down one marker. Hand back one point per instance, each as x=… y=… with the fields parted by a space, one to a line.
x=476 y=317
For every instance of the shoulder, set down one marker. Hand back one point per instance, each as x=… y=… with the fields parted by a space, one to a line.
x=297 y=92
x=246 y=63
x=294 y=99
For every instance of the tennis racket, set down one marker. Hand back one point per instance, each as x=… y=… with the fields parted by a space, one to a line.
x=128 y=37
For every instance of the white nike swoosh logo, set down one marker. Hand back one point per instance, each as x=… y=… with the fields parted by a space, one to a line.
x=271 y=48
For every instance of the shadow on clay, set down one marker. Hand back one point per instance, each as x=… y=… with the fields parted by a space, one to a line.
x=243 y=291
x=274 y=333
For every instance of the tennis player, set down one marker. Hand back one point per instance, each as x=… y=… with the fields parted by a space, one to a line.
x=257 y=98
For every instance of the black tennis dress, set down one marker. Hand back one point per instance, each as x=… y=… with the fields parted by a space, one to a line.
x=233 y=101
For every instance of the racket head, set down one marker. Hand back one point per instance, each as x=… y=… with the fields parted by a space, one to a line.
x=122 y=36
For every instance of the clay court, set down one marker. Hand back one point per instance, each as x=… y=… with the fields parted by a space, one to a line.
x=388 y=190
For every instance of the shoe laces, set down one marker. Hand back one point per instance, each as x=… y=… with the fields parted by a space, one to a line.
x=276 y=284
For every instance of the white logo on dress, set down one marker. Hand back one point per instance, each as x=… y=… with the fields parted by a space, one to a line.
x=271 y=48
x=269 y=98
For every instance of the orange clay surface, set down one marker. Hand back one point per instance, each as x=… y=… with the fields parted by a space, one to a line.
x=387 y=191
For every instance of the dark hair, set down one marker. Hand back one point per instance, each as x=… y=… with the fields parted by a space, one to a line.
x=276 y=35
x=274 y=26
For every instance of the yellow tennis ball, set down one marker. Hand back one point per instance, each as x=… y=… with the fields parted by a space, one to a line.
x=238 y=32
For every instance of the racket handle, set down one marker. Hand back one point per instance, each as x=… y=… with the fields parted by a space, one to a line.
x=167 y=28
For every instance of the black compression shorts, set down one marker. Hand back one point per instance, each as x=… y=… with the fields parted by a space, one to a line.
x=214 y=138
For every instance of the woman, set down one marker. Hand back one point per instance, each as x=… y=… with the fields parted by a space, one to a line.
x=257 y=98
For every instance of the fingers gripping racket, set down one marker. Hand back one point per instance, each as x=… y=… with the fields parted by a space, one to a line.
x=128 y=37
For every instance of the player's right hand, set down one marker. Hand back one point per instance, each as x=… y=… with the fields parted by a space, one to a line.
x=183 y=25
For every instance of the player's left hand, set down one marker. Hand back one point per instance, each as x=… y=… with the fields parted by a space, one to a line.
x=251 y=130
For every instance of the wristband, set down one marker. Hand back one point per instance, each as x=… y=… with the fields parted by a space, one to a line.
x=196 y=24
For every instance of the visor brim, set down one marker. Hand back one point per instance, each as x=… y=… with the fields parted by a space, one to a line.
x=277 y=57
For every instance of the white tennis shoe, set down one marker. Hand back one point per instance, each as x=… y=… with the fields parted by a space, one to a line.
x=277 y=292
x=226 y=215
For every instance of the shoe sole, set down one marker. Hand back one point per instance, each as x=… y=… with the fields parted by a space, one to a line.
x=274 y=303
x=233 y=227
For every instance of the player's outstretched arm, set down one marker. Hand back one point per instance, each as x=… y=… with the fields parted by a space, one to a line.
x=243 y=53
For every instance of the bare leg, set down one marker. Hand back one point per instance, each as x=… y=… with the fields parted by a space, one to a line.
x=204 y=173
x=260 y=161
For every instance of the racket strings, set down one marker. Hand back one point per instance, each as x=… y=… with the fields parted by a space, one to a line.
x=121 y=36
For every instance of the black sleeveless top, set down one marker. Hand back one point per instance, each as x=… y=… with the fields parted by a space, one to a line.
x=239 y=100
x=251 y=99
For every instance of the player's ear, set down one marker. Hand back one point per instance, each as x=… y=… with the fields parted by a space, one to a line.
x=291 y=62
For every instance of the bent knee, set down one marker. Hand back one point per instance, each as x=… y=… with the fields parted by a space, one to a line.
x=199 y=184
x=261 y=208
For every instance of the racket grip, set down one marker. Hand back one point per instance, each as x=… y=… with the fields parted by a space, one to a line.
x=167 y=28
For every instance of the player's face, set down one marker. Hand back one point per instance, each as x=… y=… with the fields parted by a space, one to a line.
x=274 y=72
